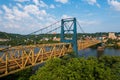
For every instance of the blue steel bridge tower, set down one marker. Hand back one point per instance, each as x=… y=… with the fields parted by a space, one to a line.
x=69 y=27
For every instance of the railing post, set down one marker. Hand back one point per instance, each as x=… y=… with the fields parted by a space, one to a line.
x=6 y=71
x=42 y=51
x=33 y=59
x=22 y=59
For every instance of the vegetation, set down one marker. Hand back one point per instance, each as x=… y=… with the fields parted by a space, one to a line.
x=104 y=68
x=17 y=39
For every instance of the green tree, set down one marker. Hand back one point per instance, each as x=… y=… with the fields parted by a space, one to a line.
x=104 y=68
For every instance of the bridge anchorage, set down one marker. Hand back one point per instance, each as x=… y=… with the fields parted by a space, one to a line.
x=17 y=58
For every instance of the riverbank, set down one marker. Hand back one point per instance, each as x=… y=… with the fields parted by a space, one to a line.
x=116 y=46
x=113 y=43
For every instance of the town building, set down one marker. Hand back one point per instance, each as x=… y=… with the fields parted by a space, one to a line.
x=104 y=37
x=111 y=35
x=56 y=39
x=118 y=37
x=3 y=40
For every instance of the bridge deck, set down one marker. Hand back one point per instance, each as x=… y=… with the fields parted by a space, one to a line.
x=1 y=49
x=21 y=57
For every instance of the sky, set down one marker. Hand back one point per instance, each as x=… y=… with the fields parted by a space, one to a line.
x=26 y=16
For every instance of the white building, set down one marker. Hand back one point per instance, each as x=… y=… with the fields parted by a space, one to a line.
x=2 y=40
x=104 y=37
x=118 y=37
x=56 y=39
x=111 y=35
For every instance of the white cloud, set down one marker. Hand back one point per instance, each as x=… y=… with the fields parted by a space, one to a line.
x=90 y=14
x=25 y=18
x=62 y=1
x=32 y=9
x=10 y=16
x=88 y=22
x=42 y=4
x=14 y=13
x=36 y=2
x=21 y=0
x=93 y=2
x=8 y=12
x=1 y=12
x=114 y=4
x=98 y=5
x=6 y=9
x=12 y=25
x=19 y=14
x=66 y=16
x=19 y=5
x=52 y=6
x=43 y=12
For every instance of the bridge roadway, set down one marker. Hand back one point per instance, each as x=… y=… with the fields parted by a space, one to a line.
x=21 y=57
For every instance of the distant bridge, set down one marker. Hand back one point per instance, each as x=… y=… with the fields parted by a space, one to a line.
x=18 y=58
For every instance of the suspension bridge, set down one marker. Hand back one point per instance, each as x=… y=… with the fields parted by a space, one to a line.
x=13 y=59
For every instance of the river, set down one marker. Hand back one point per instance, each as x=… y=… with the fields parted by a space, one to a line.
x=94 y=52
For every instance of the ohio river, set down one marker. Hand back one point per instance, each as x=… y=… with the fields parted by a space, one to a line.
x=94 y=52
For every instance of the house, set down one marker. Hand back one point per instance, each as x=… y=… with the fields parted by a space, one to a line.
x=56 y=39
x=118 y=37
x=104 y=37
x=44 y=39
